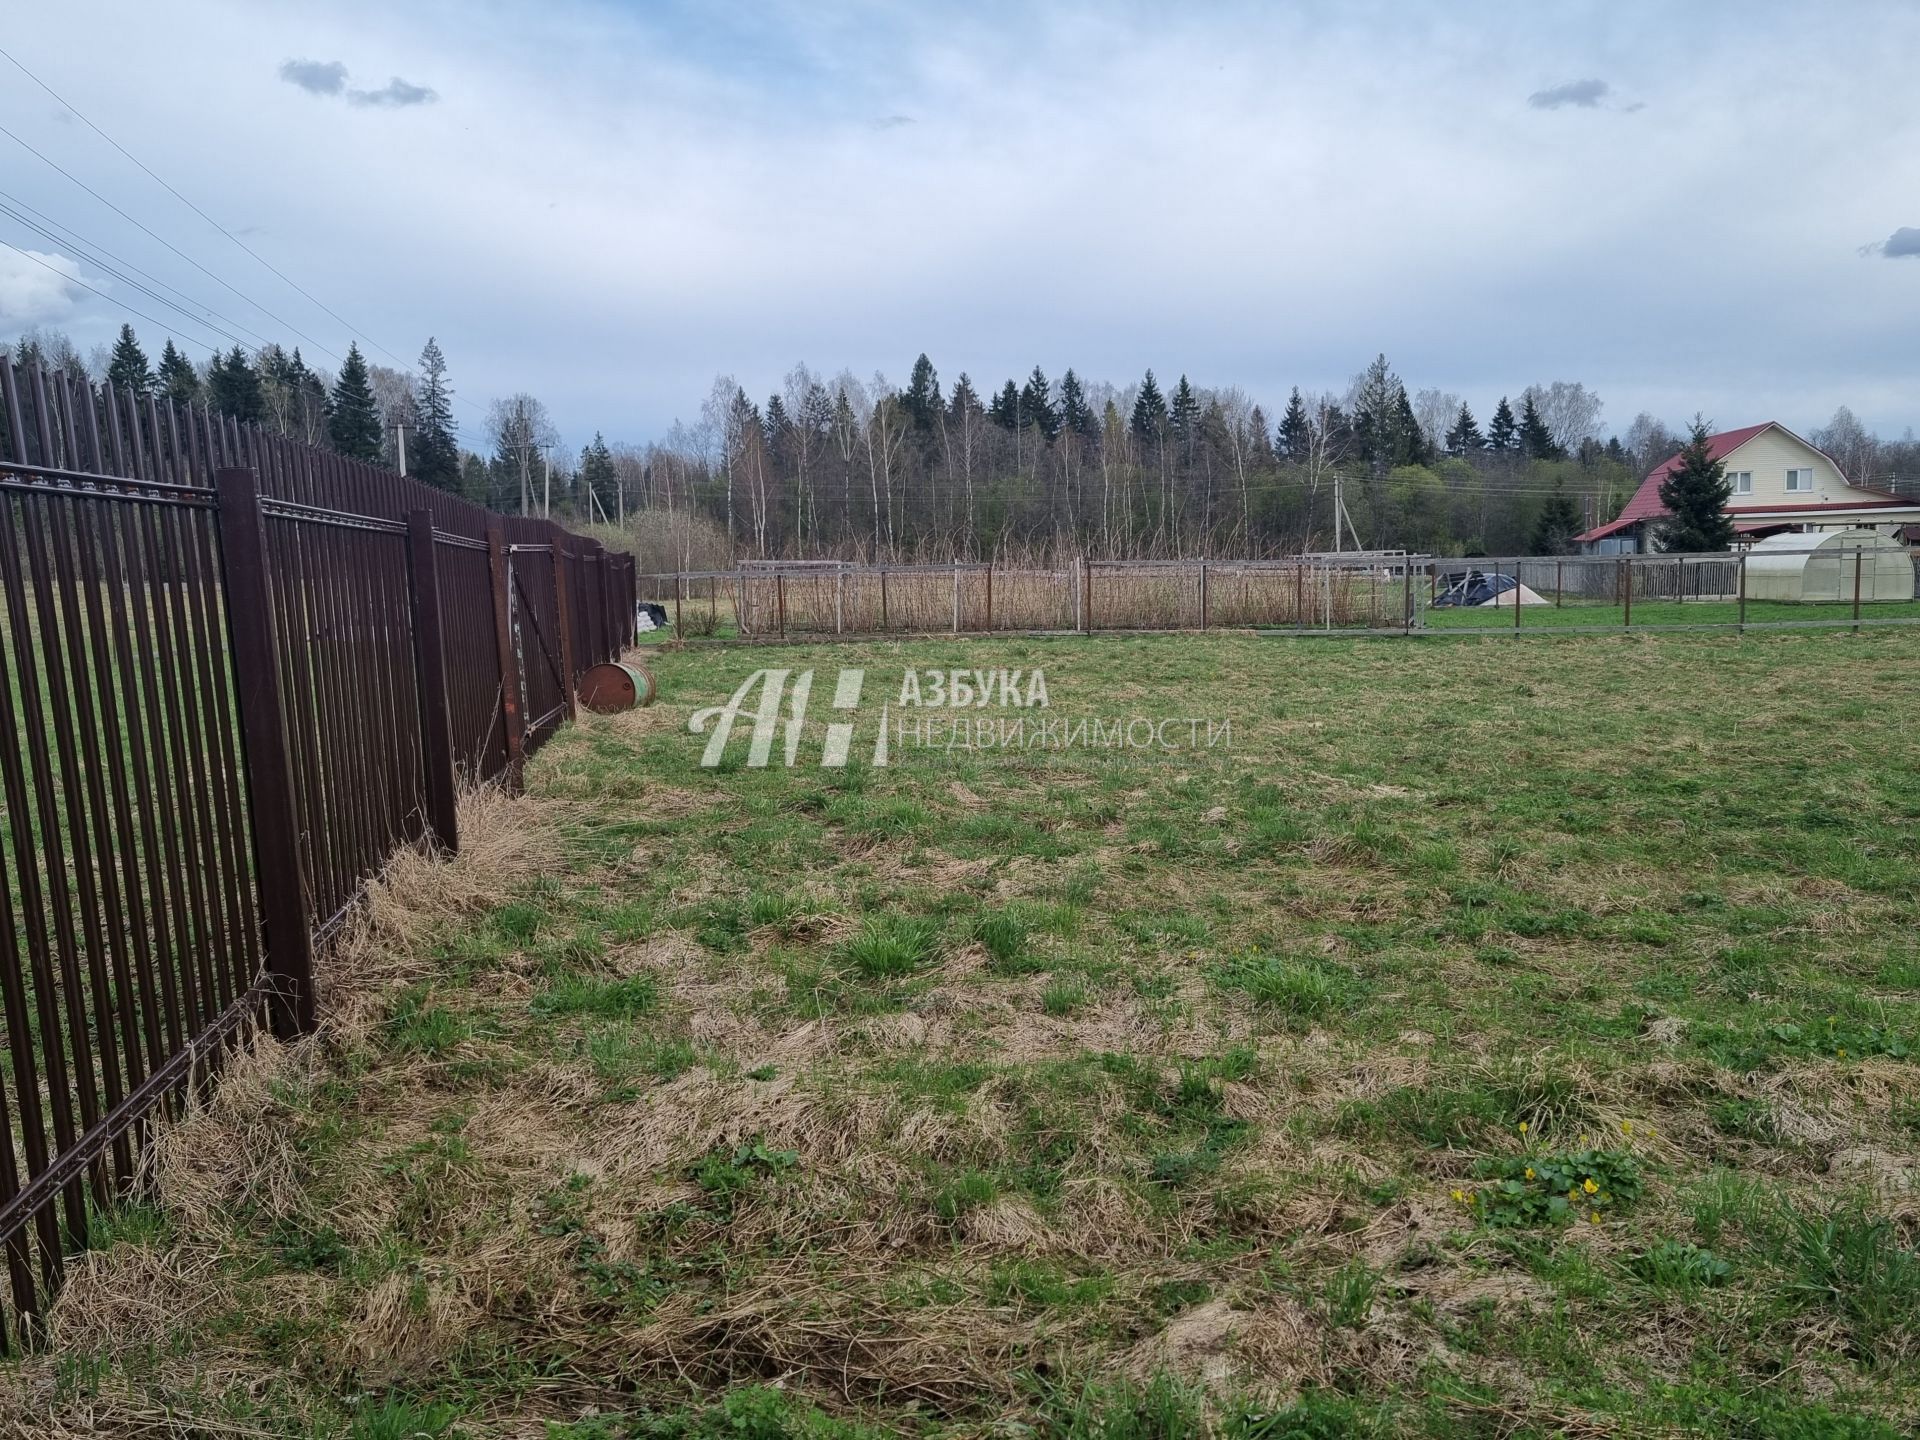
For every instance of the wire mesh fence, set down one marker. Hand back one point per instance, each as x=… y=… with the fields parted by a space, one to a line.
x=235 y=673
x=1844 y=579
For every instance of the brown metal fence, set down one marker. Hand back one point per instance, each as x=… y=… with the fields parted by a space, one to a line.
x=236 y=673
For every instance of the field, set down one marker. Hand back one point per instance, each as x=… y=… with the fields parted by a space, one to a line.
x=1478 y=1040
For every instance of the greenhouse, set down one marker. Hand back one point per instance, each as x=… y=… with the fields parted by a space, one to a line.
x=1824 y=566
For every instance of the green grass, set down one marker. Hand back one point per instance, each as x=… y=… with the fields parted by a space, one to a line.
x=1109 y=1093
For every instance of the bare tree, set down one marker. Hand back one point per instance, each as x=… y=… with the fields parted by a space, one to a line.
x=1570 y=411
x=1846 y=440
x=720 y=424
x=1649 y=442
x=1436 y=410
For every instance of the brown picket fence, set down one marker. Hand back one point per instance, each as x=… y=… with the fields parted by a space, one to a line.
x=236 y=674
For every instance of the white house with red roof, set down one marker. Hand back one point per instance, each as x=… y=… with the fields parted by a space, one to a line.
x=1780 y=483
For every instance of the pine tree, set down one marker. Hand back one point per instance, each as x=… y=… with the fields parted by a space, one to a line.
x=176 y=379
x=1464 y=438
x=128 y=369
x=921 y=399
x=1558 y=523
x=1149 y=420
x=1036 y=405
x=1503 y=434
x=435 y=457
x=353 y=420
x=1076 y=416
x=1695 y=493
x=233 y=387
x=1296 y=431
x=1535 y=439
x=1005 y=409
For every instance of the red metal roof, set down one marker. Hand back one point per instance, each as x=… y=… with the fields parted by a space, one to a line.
x=1645 y=504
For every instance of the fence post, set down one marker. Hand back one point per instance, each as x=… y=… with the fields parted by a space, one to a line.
x=269 y=764
x=1858 y=552
x=563 y=610
x=884 y=626
x=679 y=631
x=1203 y=594
x=1086 y=593
x=502 y=571
x=989 y=596
x=1743 y=592
x=429 y=661
x=956 y=597
x=1626 y=573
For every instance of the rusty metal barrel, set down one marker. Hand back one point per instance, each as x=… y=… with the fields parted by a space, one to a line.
x=615 y=686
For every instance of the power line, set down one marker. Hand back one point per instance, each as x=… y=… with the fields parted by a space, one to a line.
x=75 y=238
x=73 y=280
x=169 y=244
x=148 y=172
x=146 y=290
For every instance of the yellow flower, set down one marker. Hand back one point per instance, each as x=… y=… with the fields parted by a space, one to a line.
x=1843 y=1052
x=1472 y=1198
x=1594 y=1218
x=1458 y=1196
x=1583 y=1140
x=1529 y=1172
x=1588 y=1186
x=1572 y=1196
x=1523 y=1127
x=1626 y=1127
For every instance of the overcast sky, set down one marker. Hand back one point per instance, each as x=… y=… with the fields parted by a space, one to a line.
x=1708 y=207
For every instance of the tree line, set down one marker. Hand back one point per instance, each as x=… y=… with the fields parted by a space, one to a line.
x=867 y=469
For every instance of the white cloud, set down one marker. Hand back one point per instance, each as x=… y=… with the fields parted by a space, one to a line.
x=36 y=288
x=609 y=203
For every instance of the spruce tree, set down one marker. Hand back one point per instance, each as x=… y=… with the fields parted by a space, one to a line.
x=1503 y=434
x=1464 y=438
x=1535 y=439
x=921 y=398
x=1076 y=416
x=1296 y=431
x=597 y=474
x=1695 y=493
x=128 y=369
x=965 y=399
x=777 y=426
x=233 y=387
x=176 y=378
x=434 y=457
x=1410 y=445
x=1005 y=409
x=1149 y=420
x=353 y=419
x=1557 y=524
x=1036 y=405
x=1184 y=414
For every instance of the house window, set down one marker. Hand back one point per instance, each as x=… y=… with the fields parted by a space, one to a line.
x=1742 y=482
x=1799 y=480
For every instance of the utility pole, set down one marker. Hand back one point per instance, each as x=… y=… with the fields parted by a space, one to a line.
x=546 y=491
x=400 y=446
x=526 y=484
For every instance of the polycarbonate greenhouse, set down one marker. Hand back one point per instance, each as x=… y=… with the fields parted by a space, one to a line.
x=1821 y=566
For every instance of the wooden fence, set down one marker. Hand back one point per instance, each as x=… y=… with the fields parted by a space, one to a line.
x=236 y=673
